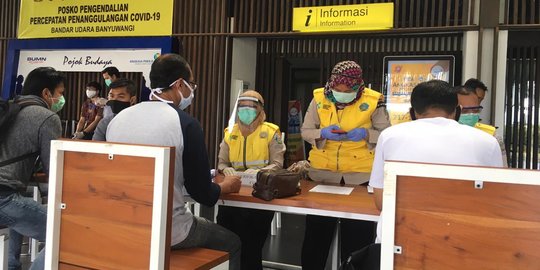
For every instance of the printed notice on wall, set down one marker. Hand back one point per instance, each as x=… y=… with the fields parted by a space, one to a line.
x=94 y=18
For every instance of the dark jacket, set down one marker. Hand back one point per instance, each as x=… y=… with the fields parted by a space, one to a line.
x=34 y=128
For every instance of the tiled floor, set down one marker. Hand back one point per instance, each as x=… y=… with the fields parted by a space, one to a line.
x=286 y=246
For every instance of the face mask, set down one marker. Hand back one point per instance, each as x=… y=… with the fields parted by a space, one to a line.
x=91 y=93
x=117 y=105
x=108 y=82
x=185 y=102
x=344 y=97
x=247 y=115
x=469 y=119
x=56 y=107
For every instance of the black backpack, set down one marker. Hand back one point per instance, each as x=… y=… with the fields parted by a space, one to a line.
x=8 y=113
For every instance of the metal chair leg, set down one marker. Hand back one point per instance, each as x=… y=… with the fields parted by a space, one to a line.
x=4 y=247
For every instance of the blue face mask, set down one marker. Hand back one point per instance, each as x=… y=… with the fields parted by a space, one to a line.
x=469 y=119
x=108 y=82
x=344 y=97
x=247 y=115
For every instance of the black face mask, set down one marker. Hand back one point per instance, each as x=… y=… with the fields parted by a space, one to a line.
x=117 y=106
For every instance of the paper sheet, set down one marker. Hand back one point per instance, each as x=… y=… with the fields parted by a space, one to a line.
x=248 y=179
x=332 y=189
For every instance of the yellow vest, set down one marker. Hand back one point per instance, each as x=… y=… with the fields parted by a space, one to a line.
x=344 y=156
x=486 y=128
x=251 y=151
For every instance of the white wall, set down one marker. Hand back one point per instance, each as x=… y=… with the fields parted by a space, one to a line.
x=501 y=81
x=486 y=72
x=470 y=55
x=244 y=65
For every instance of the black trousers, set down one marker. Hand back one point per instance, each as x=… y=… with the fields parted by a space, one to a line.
x=355 y=234
x=252 y=226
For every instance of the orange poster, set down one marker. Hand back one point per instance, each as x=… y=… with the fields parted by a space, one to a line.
x=403 y=75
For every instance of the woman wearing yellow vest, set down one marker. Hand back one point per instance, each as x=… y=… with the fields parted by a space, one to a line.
x=342 y=123
x=253 y=144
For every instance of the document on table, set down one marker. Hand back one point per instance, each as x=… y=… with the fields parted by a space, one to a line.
x=332 y=189
x=248 y=179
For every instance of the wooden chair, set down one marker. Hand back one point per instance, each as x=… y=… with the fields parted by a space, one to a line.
x=460 y=217
x=109 y=207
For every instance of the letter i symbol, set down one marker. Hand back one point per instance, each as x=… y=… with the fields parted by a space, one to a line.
x=308 y=17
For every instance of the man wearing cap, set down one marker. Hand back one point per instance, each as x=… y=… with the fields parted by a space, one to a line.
x=161 y=121
x=251 y=145
x=342 y=123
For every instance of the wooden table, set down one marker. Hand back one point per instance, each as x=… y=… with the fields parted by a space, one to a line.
x=358 y=205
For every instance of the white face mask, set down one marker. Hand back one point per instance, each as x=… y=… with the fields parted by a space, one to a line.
x=91 y=93
x=159 y=91
x=185 y=102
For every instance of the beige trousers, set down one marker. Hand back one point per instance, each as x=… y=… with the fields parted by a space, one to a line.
x=330 y=177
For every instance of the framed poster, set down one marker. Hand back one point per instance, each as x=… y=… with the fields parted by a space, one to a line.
x=403 y=73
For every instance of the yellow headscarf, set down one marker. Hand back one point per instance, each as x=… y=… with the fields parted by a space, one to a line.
x=261 y=116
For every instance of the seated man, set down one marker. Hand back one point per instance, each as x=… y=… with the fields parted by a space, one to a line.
x=123 y=94
x=161 y=121
x=433 y=137
x=26 y=138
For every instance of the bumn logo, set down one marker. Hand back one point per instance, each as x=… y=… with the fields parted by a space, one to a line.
x=36 y=60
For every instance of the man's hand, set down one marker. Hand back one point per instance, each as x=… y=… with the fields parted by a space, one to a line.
x=78 y=135
x=101 y=102
x=230 y=184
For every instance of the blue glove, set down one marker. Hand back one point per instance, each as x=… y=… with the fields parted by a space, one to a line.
x=326 y=133
x=357 y=134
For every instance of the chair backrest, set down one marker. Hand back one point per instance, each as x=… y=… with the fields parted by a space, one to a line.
x=460 y=217
x=108 y=205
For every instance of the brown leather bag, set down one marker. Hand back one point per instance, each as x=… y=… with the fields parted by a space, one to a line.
x=276 y=184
